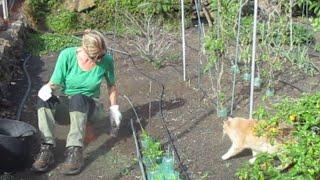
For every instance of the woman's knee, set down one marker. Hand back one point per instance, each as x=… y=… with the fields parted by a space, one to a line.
x=50 y=103
x=79 y=103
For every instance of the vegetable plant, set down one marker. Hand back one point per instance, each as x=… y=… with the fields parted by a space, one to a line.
x=151 y=150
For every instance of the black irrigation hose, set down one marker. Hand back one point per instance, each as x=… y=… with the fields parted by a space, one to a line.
x=18 y=116
x=162 y=116
x=289 y=84
x=135 y=137
x=137 y=149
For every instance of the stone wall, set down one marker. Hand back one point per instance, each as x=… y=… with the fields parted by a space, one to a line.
x=11 y=52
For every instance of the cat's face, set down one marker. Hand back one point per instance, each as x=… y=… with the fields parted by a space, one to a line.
x=226 y=126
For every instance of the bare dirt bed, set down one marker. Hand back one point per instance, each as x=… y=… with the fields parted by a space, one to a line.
x=189 y=114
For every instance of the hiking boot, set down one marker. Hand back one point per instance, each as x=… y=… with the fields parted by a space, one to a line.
x=44 y=158
x=74 y=161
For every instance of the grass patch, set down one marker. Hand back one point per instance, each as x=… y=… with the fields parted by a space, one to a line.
x=43 y=43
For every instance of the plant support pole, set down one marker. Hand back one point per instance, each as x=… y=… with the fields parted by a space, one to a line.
x=5 y=9
x=183 y=41
x=291 y=26
x=198 y=5
x=254 y=39
x=237 y=58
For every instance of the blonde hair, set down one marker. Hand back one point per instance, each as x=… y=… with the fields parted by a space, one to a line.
x=93 y=43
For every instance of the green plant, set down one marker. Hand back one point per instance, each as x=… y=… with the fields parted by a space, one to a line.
x=103 y=17
x=36 y=10
x=6 y=177
x=312 y=5
x=299 y=57
x=63 y=21
x=317 y=47
x=315 y=22
x=151 y=150
x=226 y=12
x=39 y=43
x=160 y=7
x=214 y=48
x=298 y=158
x=302 y=35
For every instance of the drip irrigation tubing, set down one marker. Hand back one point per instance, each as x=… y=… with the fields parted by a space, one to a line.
x=18 y=116
x=162 y=116
x=134 y=110
x=137 y=151
x=135 y=137
x=293 y=86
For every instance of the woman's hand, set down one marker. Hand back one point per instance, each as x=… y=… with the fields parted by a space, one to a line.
x=45 y=92
x=115 y=119
x=115 y=115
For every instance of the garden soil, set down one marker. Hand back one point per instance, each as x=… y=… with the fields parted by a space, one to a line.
x=188 y=110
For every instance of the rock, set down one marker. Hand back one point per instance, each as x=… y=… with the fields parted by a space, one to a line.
x=11 y=51
x=79 y=5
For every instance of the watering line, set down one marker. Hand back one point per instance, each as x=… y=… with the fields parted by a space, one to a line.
x=293 y=86
x=254 y=39
x=236 y=59
x=28 y=90
x=135 y=138
x=137 y=150
x=134 y=110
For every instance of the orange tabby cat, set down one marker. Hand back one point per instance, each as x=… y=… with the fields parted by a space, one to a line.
x=240 y=132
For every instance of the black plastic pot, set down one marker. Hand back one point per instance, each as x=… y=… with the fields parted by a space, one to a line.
x=14 y=144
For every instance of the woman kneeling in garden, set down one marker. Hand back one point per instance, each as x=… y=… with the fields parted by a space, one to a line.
x=78 y=73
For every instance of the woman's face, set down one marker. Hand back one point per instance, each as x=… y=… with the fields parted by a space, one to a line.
x=94 y=58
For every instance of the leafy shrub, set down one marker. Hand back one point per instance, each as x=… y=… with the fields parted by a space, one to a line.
x=300 y=58
x=63 y=21
x=149 y=7
x=313 y=5
x=317 y=47
x=108 y=14
x=301 y=34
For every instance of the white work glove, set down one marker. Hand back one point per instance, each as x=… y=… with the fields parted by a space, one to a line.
x=115 y=115
x=45 y=92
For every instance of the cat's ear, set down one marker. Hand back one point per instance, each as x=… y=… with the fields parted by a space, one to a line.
x=227 y=122
x=230 y=118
